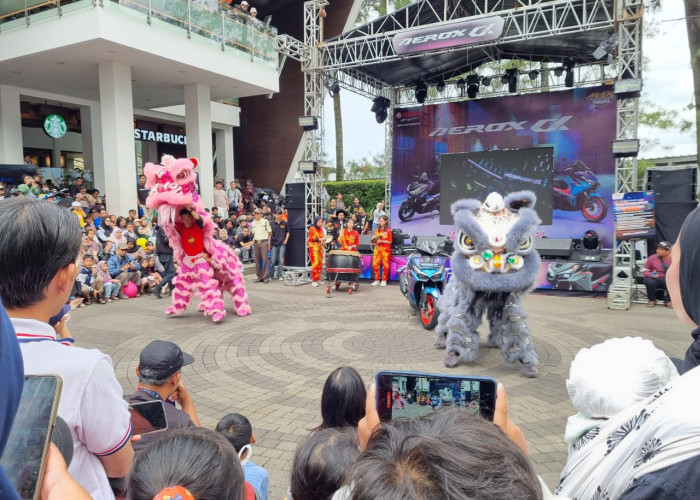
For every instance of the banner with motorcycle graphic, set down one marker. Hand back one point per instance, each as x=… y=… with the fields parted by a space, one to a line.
x=554 y=143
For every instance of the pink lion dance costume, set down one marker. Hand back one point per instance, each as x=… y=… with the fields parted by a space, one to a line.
x=209 y=273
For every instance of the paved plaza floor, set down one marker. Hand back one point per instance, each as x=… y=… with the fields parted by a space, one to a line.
x=271 y=366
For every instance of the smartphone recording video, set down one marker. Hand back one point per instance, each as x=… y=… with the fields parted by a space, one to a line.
x=410 y=394
x=147 y=417
x=24 y=457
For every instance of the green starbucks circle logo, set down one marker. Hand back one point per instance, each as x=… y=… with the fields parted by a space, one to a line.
x=55 y=126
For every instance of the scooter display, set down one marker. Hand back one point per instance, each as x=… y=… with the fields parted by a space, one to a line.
x=423 y=197
x=574 y=189
x=424 y=277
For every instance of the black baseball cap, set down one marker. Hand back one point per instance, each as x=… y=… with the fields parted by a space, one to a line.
x=161 y=358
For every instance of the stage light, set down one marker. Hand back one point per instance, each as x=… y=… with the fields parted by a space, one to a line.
x=533 y=74
x=379 y=108
x=472 y=86
x=607 y=46
x=332 y=85
x=421 y=91
x=512 y=79
x=622 y=148
x=590 y=246
x=486 y=81
x=504 y=79
x=461 y=83
x=558 y=71
x=440 y=87
x=308 y=122
x=569 y=78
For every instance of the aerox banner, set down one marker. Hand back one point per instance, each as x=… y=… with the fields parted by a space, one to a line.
x=445 y=35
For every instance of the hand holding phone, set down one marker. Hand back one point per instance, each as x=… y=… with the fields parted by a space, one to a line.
x=411 y=394
x=147 y=417
x=25 y=455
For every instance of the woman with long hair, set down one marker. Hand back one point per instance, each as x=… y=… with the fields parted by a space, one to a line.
x=317 y=236
x=382 y=251
x=343 y=399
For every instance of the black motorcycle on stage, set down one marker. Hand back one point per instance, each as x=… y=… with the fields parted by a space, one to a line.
x=423 y=197
x=574 y=189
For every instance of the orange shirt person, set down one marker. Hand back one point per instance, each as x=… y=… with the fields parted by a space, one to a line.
x=315 y=242
x=382 y=251
x=349 y=238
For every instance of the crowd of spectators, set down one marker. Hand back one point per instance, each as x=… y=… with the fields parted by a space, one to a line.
x=648 y=414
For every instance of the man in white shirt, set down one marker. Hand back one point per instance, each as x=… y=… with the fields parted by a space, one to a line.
x=91 y=400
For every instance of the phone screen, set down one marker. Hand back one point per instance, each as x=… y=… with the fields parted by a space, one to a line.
x=25 y=453
x=410 y=395
x=147 y=417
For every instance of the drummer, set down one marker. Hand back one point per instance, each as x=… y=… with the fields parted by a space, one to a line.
x=317 y=237
x=382 y=251
x=349 y=238
x=338 y=225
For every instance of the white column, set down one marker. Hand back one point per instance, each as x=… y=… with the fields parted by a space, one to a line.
x=117 y=120
x=224 y=155
x=198 y=126
x=11 y=147
x=92 y=145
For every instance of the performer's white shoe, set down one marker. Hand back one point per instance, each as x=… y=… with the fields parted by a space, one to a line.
x=315 y=283
x=375 y=283
x=383 y=283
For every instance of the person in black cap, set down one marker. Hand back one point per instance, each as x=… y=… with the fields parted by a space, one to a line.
x=655 y=273
x=160 y=379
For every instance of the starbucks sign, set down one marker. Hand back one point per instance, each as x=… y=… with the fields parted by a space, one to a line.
x=55 y=126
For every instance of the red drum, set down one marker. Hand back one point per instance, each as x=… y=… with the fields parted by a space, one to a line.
x=343 y=265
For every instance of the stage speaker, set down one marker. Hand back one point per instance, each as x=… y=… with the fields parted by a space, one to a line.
x=364 y=246
x=295 y=194
x=553 y=248
x=294 y=253
x=296 y=218
x=672 y=185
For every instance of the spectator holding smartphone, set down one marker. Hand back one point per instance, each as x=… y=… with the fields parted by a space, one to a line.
x=160 y=379
x=655 y=273
x=91 y=400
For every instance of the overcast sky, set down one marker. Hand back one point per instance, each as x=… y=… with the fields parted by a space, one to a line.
x=667 y=77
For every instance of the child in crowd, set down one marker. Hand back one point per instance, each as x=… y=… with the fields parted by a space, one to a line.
x=237 y=429
x=149 y=276
x=77 y=210
x=90 y=282
x=244 y=242
x=110 y=286
x=612 y=376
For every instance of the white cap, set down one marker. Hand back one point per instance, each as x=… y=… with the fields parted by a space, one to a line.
x=612 y=376
x=76 y=204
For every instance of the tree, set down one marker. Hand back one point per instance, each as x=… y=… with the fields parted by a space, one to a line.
x=339 y=164
x=692 y=21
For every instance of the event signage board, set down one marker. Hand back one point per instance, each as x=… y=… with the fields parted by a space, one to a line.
x=446 y=35
x=634 y=215
x=152 y=136
x=567 y=134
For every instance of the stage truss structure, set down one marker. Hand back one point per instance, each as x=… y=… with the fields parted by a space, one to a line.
x=342 y=58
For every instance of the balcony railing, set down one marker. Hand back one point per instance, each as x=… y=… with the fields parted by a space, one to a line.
x=209 y=19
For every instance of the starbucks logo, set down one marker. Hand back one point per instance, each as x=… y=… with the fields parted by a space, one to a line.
x=55 y=126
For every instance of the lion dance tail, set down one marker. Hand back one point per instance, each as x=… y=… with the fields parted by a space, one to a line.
x=229 y=271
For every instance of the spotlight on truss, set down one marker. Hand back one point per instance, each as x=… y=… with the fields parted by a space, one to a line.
x=421 y=91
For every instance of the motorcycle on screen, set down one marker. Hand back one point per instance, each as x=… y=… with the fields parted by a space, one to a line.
x=423 y=197
x=424 y=277
x=575 y=189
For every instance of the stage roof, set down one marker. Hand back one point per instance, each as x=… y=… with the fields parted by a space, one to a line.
x=537 y=30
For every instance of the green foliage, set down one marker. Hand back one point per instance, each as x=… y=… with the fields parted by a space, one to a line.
x=370 y=192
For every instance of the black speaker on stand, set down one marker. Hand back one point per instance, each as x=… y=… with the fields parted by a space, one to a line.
x=295 y=195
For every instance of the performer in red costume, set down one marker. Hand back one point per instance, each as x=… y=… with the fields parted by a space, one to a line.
x=382 y=251
x=349 y=238
x=315 y=243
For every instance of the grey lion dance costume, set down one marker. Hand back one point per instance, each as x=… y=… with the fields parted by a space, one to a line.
x=493 y=265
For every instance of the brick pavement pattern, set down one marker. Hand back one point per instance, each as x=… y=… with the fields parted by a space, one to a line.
x=271 y=366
